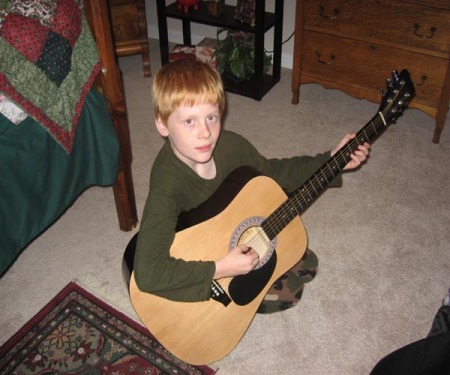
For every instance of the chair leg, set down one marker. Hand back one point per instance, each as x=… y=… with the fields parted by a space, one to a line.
x=142 y=17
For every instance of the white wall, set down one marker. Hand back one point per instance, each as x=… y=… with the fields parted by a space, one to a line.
x=201 y=31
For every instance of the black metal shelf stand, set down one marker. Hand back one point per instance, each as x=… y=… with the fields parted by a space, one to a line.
x=260 y=83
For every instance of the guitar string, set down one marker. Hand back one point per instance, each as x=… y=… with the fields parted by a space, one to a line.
x=287 y=212
x=259 y=240
x=311 y=189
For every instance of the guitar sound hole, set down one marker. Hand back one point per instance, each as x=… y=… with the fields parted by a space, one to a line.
x=250 y=233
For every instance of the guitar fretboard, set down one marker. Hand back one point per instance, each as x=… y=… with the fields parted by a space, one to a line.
x=302 y=198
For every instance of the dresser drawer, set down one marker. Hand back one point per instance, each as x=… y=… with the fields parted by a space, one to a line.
x=353 y=63
x=352 y=45
x=412 y=26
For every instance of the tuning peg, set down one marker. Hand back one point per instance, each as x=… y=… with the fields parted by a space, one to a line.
x=389 y=83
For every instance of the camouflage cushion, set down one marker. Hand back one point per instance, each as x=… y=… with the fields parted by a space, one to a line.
x=288 y=289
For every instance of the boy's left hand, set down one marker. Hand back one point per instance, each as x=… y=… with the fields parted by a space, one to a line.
x=358 y=156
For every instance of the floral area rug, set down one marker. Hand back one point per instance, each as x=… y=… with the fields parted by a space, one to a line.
x=77 y=333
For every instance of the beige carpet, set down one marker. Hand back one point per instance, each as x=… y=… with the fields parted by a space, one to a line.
x=383 y=239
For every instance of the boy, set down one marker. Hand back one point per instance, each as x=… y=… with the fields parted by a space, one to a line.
x=189 y=100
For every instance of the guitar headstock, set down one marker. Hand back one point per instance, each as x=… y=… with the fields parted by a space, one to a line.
x=400 y=91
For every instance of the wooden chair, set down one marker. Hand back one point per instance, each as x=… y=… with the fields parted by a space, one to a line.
x=129 y=28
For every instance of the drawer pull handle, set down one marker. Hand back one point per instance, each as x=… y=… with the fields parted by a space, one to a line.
x=424 y=78
x=332 y=17
x=433 y=29
x=332 y=56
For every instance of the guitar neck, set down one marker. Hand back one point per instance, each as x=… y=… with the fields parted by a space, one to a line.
x=303 y=197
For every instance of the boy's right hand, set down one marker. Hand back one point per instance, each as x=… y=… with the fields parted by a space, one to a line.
x=239 y=261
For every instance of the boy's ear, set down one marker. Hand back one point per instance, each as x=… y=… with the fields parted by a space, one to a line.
x=161 y=127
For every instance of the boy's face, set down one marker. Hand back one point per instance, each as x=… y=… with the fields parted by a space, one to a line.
x=193 y=133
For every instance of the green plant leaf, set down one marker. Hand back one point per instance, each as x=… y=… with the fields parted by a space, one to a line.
x=236 y=54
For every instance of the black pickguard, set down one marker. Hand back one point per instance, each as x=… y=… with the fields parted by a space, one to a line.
x=244 y=289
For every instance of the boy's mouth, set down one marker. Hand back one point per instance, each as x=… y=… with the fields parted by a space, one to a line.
x=204 y=148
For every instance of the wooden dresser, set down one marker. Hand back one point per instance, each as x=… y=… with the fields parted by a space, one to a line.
x=129 y=27
x=353 y=45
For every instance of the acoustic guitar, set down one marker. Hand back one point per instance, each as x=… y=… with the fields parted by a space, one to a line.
x=252 y=209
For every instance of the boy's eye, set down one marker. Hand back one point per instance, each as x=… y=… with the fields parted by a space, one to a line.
x=212 y=118
x=189 y=121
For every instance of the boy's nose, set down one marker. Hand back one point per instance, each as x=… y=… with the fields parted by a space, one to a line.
x=204 y=131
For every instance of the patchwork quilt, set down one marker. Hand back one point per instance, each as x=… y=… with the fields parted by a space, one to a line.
x=48 y=62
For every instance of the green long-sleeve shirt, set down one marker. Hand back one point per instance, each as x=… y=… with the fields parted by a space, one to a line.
x=174 y=188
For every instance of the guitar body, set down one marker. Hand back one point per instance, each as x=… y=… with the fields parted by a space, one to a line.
x=204 y=332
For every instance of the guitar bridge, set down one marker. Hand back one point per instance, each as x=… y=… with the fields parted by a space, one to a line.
x=218 y=294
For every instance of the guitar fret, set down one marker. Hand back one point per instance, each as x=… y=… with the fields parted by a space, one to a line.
x=373 y=127
x=324 y=177
x=309 y=195
x=330 y=168
x=299 y=203
x=312 y=186
x=365 y=136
